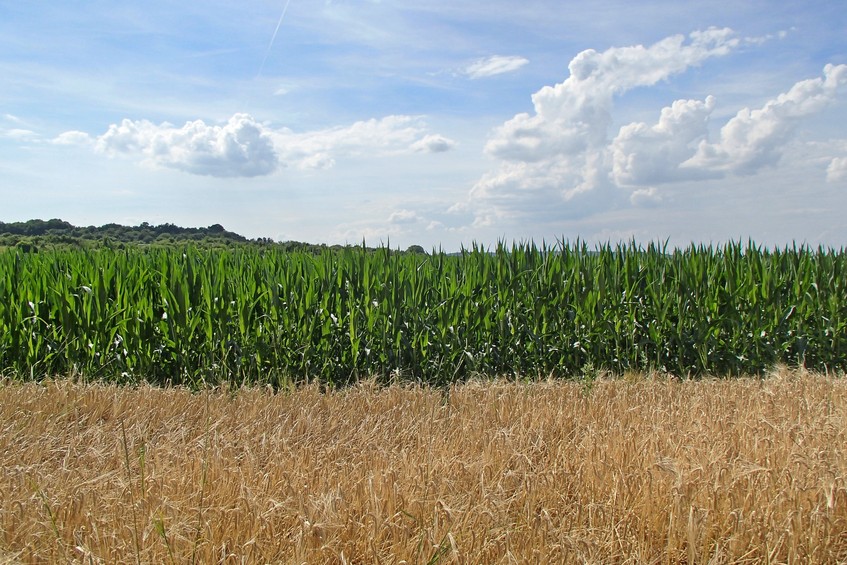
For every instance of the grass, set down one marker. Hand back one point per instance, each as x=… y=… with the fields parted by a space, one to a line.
x=634 y=469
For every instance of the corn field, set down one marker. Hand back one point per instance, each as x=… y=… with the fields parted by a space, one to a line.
x=196 y=316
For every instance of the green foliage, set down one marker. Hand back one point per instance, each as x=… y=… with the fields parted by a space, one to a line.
x=58 y=233
x=260 y=314
x=416 y=249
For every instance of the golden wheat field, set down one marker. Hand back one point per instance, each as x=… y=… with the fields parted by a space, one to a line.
x=626 y=470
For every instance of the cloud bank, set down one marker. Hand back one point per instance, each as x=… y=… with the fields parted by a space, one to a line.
x=561 y=161
x=244 y=147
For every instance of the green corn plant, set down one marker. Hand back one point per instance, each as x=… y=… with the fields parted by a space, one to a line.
x=195 y=316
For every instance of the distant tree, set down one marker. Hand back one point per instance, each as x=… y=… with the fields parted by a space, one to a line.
x=417 y=249
x=57 y=233
x=26 y=246
x=167 y=228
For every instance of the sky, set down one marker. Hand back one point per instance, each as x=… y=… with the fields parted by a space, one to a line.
x=437 y=123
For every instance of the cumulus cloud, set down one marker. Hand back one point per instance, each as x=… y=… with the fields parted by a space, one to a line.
x=494 y=65
x=240 y=148
x=755 y=138
x=837 y=170
x=645 y=197
x=643 y=154
x=72 y=138
x=559 y=161
x=433 y=143
x=243 y=147
x=575 y=114
x=677 y=146
x=403 y=216
x=558 y=157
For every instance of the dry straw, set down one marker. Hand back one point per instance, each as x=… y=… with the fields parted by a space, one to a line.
x=629 y=470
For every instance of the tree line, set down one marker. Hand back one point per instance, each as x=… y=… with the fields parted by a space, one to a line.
x=32 y=235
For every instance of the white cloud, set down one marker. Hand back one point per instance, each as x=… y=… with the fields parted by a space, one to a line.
x=494 y=65
x=318 y=161
x=837 y=170
x=433 y=143
x=283 y=89
x=677 y=147
x=575 y=114
x=403 y=217
x=559 y=162
x=390 y=135
x=643 y=155
x=645 y=197
x=240 y=148
x=72 y=138
x=761 y=40
x=755 y=138
x=558 y=157
x=244 y=147
x=19 y=134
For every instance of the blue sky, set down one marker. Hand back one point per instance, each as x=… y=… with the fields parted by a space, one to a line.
x=440 y=123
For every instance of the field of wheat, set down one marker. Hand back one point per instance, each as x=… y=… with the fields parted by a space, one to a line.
x=632 y=469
